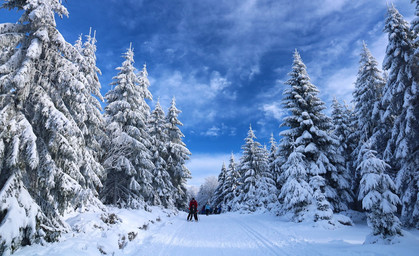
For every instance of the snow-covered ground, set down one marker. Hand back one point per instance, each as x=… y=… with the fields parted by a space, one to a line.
x=163 y=233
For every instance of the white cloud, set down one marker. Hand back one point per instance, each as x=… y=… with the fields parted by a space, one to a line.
x=340 y=85
x=328 y=6
x=212 y=132
x=195 y=93
x=216 y=131
x=274 y=110
x=205 y=165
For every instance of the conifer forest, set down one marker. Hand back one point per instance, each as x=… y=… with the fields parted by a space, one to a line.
x=65 y=148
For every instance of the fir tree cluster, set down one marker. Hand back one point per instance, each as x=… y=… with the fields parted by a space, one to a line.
x=364 y=157
x=58 y=151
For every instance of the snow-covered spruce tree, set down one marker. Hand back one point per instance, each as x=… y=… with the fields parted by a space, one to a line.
x=296 y=194
x=377 y=192
x=22 y=219
x=94 y=130
x=252 y=164
x=342 y=122
x=272 y=161
x=128 y=160
x=309 y=127
x=266 y=188
x=407 y=149
x=231 y=184
x=93 y=125
x=399 y=83
x=161 y=180
x=366 y=97
x=178 y=154
x=218 y=198
x=46 y=166
x=400 y=104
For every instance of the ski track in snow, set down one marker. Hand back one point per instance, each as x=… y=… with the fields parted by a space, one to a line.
x=211 y=235
x=265 y=244
x=229 y=234
x=253 y=235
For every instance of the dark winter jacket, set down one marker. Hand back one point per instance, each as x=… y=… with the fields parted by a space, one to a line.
x=193 y=205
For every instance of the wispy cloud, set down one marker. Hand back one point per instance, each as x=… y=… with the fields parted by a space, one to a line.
x=205 y=165
x=220 y=130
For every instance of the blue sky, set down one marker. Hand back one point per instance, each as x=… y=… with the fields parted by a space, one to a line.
x=226 y=61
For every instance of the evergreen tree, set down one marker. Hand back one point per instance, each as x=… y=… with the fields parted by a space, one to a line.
x=399 y=82
x=128 y=160
x=366 y=98
x=309 y=127
x=273 y=166
x=93 y=126
x=178 y=154
x=342 y=120
x=341 y=117
x=378 y=197
x=218 y=198
x=231 y=184
x=46 y=168
x=266 y=188
x=253 y=163
x=400 y=105
x=296 y=193
x=162 y=183
x=407 y=142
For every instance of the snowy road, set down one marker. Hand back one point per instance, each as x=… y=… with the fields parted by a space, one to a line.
x=229 y=234
x=213 y=235
x=234 y=234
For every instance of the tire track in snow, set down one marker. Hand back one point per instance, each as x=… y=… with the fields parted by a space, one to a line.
x=261 y=239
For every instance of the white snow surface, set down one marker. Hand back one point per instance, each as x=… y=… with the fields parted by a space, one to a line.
x=225 y=234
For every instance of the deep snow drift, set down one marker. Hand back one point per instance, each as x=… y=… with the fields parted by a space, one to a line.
x=162 y=233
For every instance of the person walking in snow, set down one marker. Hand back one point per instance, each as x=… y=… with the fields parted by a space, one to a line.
x=207 y=209
x=193 y=206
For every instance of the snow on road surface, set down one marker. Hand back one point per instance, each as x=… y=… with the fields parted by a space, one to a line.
x=225 y=234
x=212 y=235
x=235 y=234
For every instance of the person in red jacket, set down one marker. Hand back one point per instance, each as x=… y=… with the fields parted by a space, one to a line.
x=193 y=206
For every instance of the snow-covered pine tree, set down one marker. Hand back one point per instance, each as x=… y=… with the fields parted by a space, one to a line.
x=79 y=44
x=366 y=97
x=399 y=49
x=95 y=123
x=407 y=149
x=93 y=126
x=266 y=188
x=296 y=193
x=128 y=160
x=43 y=150
x=162 y=183
x=309 y=127
x=342 y=119
x=400 y=104
x=231 y=184
x=178 y=154
x=377 y=192
x=273 y=166
x=219 y=193
x=22 y=219
x=252 y=163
